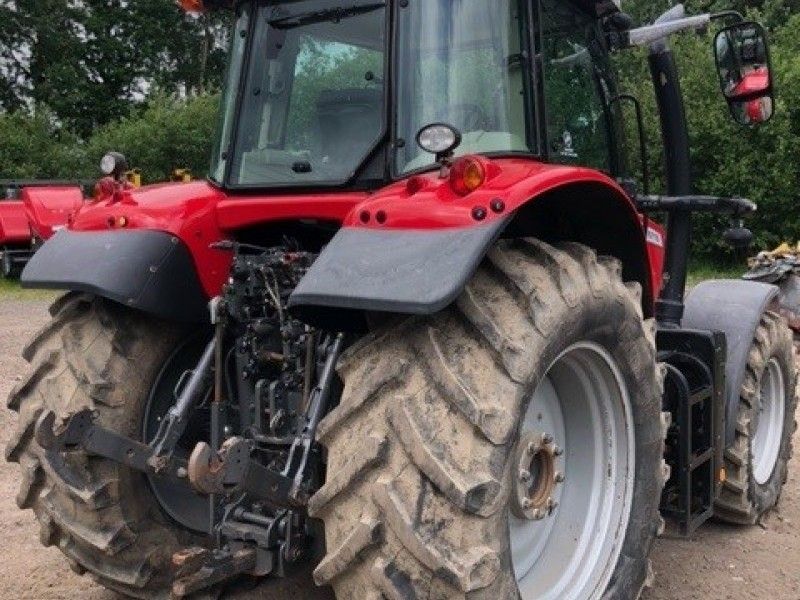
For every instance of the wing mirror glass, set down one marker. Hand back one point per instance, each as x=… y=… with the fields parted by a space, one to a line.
x=744 y=69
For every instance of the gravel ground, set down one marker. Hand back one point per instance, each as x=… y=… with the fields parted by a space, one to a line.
x=720 y=562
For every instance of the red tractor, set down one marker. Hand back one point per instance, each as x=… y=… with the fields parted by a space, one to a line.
x=413 y=333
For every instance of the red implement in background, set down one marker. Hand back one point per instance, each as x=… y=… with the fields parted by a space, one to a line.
x=31 y=213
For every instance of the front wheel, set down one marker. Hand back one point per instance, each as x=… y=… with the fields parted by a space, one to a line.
x=508 y=447
x=757 y=462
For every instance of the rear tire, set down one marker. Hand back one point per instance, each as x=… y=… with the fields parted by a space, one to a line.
x=99 y=355
x=757 y=463
x=420 y=469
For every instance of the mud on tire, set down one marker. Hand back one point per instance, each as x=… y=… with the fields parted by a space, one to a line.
x=99 y=355
x=416 y=499
x=743 y=499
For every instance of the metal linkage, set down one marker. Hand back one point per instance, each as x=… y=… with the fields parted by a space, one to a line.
x=199 y=569
x=174 y=424
x=233 y=470
x=80 y=432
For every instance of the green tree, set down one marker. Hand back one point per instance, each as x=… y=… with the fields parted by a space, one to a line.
x=90 y=61
x=169 y=134
x=34 y=146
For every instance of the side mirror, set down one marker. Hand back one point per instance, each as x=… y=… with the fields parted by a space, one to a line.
x=745 y=72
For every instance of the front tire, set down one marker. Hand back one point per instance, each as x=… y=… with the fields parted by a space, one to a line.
x=757 y=463
x=99 y=355
x=423 y=487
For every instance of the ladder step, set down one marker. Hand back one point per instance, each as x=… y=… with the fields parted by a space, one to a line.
x=700 y=459
x=700 y=395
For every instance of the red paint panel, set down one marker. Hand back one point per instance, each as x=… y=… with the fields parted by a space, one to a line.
x=187 y=211
x=429 y=202
x=14 y=227
x=656 y=248
x=236 y=213
x=200 y=214
x=49 y=209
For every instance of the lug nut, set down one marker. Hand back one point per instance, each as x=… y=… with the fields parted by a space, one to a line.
x=547 y=438
x=559 y=478
x=558 y=451
x=532 y=448
x=538 y=514
x=524 y=475
x=182 y=473
x=527 y=503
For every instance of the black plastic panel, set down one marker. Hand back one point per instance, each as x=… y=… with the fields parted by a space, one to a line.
x=390 y=271
x=150 y=271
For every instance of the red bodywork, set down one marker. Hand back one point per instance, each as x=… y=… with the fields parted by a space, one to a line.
x=14 y=227
x=200 y=214
x=758 y=109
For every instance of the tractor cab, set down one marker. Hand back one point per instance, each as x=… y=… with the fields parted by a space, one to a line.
x=324 y=97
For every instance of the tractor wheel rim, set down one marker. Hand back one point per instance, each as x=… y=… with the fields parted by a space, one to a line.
x=769 y=430
x=582 y=408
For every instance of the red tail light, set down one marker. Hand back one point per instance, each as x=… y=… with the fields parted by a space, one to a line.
x=466 y=175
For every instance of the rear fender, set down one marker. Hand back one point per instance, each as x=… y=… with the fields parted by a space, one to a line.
x=734 y=308
x=394 y=267
x=151 y=271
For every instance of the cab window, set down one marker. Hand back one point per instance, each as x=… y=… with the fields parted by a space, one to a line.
x=577 y=87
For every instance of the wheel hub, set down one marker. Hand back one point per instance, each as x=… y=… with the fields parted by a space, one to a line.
x=574 y=467
x=537 y=476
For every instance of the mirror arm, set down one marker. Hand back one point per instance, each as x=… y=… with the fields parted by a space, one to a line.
x=652 y=34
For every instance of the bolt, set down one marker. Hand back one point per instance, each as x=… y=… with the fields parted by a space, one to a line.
x=498 y=205
x=182 y=473
x=532 y=448
x=538 y=514
x=527 y=503
x=558 y=451
x=524 y=476
x=559 y=477
x=479 y=213
x=547 y=439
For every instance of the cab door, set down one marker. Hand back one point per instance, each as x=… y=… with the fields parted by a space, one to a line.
x=582 y=121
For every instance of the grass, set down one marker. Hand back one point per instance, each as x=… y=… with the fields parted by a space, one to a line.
x=11 y=290
x=704 y=270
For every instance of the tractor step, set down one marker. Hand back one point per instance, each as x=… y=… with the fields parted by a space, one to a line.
x=693 y=394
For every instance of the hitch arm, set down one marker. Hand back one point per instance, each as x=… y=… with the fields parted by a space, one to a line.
x=176 y=419
x=81 y=433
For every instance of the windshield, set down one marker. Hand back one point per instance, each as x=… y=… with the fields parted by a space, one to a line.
x=312 y=104
x=464 y=64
